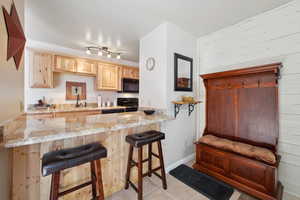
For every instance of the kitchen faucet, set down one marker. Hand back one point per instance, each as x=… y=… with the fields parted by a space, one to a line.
x=77 y=102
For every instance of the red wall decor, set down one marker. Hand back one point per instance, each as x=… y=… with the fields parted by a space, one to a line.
x=16 y=36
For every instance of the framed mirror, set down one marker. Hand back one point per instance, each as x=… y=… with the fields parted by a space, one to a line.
x=183 y=76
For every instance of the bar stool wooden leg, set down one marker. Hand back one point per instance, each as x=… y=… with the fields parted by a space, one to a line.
x=140 y=173
x=161 y=159
x=54 y=193
x=94 y=180
x=99 y=180
x=150 y=159
x=129 y=167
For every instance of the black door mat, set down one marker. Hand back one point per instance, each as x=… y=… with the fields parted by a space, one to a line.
x=206 y=185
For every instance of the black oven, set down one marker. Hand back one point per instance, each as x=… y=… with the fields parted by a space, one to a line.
x=130 y=104
x=130 y=85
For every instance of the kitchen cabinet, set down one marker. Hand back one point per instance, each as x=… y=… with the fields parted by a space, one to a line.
x=130 y=72
x=85 y=66
x=108 y=77
x=65 y=64
x=41 y=74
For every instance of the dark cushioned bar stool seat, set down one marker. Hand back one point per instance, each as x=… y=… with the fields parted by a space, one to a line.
x=54 y=162
x=138 y=141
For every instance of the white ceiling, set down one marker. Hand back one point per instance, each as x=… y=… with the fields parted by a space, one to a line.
x=121 y=23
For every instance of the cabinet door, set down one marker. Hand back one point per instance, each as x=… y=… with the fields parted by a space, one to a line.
x=126 y=72
x=86 y=66
x=130 y=72
x=41 y=74
x=63 y=63
x=135 y=73
x=108 y=77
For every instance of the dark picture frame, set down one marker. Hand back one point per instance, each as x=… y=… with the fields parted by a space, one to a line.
x=185 y=85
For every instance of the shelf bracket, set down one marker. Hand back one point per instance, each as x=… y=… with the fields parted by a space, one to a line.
x=177 y=109
x=191 y=108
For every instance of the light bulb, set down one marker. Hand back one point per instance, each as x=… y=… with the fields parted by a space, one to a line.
x=100 y=53
x=119 y=56
x=88 y=51
x=109 y=55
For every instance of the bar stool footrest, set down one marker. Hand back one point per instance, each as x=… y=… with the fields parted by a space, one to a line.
x=155 y=155
x=75 y=188
x=133 y=186
x=159 y=176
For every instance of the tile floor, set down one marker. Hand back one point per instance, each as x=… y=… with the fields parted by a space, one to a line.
x=176 y=191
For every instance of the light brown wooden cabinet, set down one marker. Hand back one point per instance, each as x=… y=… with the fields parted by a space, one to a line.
x=85 y=66
x=130 y=72
x=41 y=74
x=108 y=77
x=65 y=64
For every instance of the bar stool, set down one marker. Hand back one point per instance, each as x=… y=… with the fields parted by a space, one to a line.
x=138 y=141
x=54 y=162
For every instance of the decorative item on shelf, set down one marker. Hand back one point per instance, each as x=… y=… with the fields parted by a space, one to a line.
x=150 y=63
x=75 y=91
x=183 y=73
x=100 y=51
x=16 y=36
x=190 y=101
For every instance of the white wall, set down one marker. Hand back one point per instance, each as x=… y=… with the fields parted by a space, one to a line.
x=153 y=84
x=12 y=92
x=270 y=37
x=57 y=94
x=182 y=131
x=157 y=87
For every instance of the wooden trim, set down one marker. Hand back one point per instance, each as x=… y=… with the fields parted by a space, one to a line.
x=274 y=68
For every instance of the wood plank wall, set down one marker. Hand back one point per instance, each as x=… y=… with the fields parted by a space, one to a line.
x=271 y=37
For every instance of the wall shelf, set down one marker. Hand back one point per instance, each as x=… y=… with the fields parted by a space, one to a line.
x=178 y=104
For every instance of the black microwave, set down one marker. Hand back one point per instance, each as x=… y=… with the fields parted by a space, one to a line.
x=130 y=85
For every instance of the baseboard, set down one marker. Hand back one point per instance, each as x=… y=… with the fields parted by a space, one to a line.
x=179 y=162
x=290 y=196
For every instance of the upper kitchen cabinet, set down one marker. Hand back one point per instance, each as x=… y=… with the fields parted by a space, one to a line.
x=64 y=64
x=108 y=77
x=130 y=72
x=41 y=74
x=86 y=67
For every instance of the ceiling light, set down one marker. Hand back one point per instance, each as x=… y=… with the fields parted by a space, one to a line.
x=88 y=51
x=119 y=56
x=100 y=51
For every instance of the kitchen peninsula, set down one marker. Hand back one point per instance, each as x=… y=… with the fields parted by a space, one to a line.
x=29 y=137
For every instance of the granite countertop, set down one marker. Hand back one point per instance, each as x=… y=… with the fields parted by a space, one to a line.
x=27 y=130
x=69 y=109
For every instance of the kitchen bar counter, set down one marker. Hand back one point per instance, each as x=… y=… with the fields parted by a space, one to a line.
x=27 y=129
x=29 y=137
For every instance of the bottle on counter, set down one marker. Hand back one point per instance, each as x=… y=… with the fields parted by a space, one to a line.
x=99 y=101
